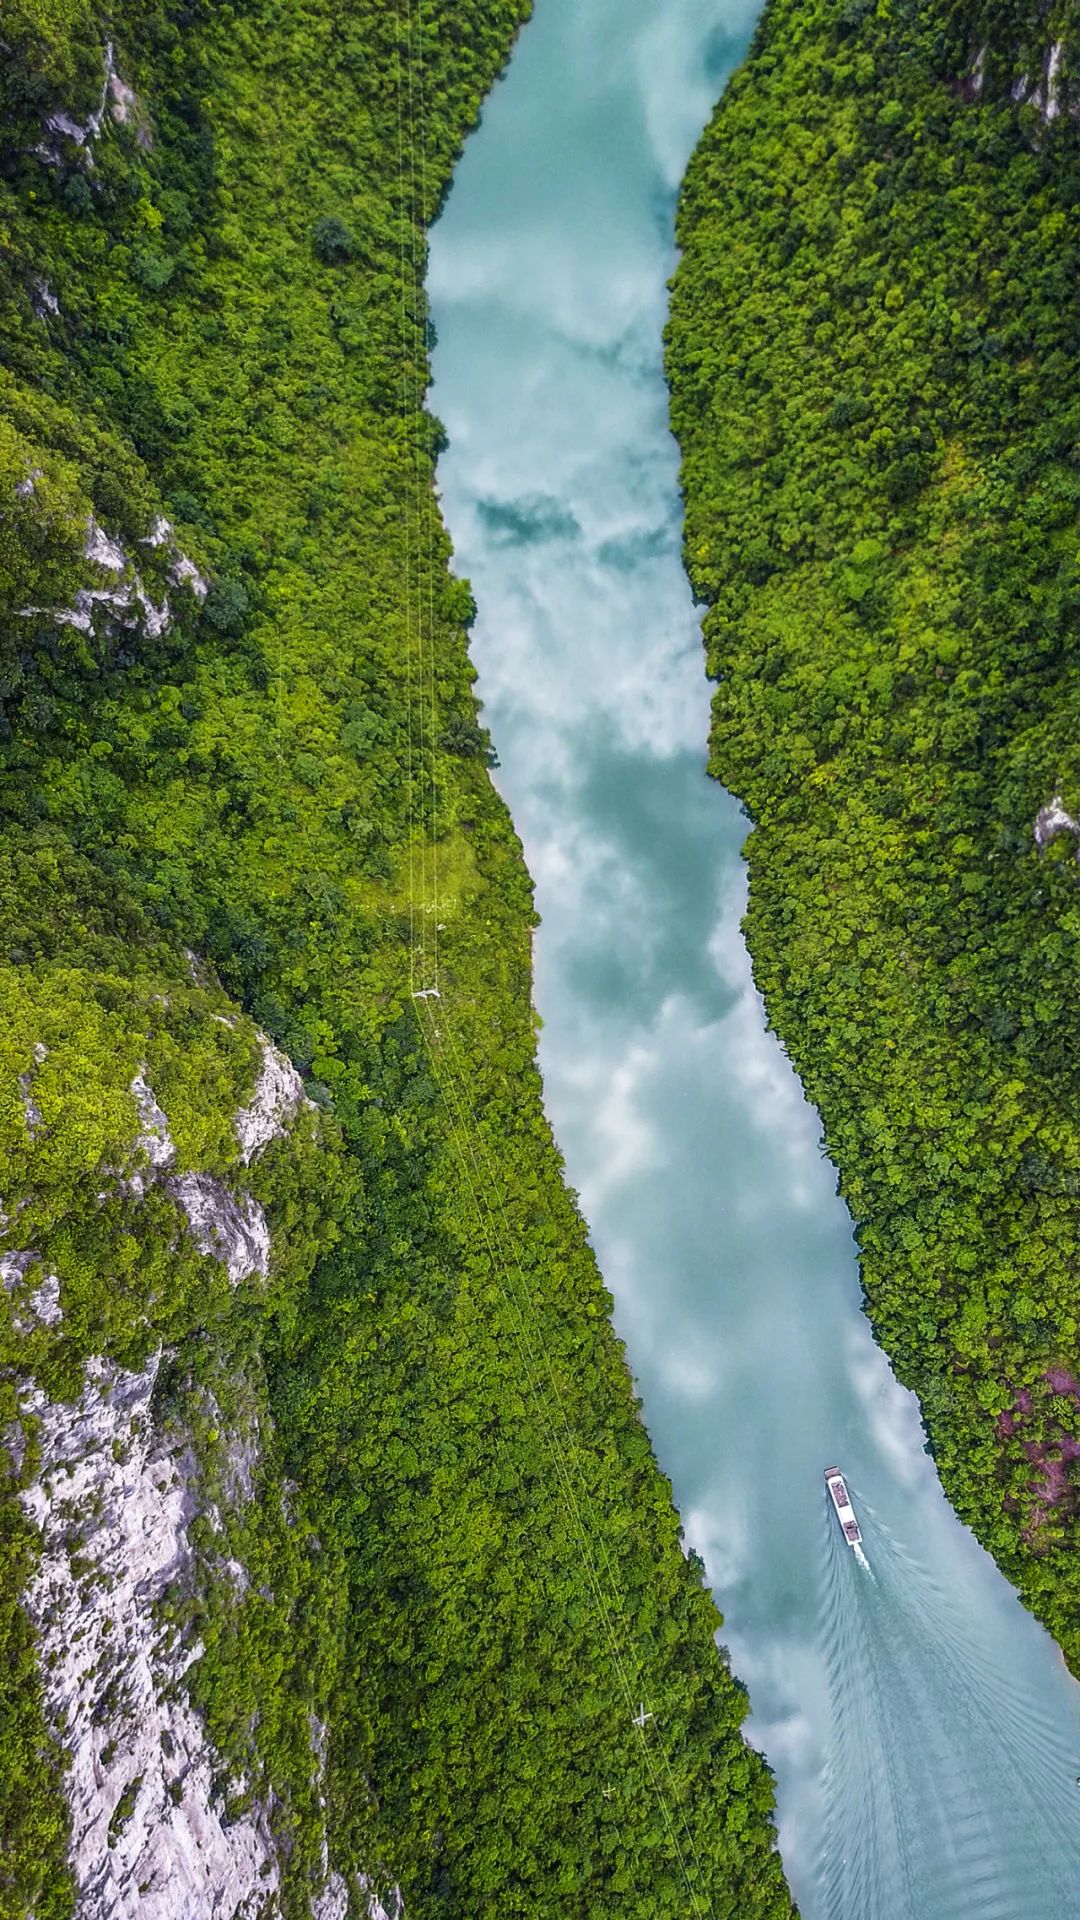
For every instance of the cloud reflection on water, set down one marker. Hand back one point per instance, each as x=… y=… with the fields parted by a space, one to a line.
x=695 y=1153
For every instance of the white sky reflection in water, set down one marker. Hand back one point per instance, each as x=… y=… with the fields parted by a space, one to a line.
x=940 y=1787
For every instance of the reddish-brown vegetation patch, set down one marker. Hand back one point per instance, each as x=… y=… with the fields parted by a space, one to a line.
x=1051 y=1453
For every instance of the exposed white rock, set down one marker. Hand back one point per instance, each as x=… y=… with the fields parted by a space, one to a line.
x=184 y=573
x=116 y=95
x=63 y=616
x=102 y=550
x=333 y=1902
x=81 y=615
x=34 y=1118
x=109 y=553
x=112 y=1503
x=42 y=297
x=236 y=1573
x=38 y=1309
x=1052 y=820
x=13 y=1268
x=68 y=128
x=1044 y=91
x=154 y=1137
x=376 y=1910
x=1051 y=105
x=121 y=96
x=279 y=1091
x=128 y=601
x=155 y=619
x=233 y=1231
x=44 y=1302
x=14 y=1439
x=25 y=488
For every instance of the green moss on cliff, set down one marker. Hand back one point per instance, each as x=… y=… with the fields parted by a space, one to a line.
x=482 y=1575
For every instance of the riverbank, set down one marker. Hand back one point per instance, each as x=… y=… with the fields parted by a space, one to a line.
x=425 y=1595
x=872 y=355
x=924 y=1738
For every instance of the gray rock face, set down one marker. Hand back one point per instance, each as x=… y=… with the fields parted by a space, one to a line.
x=1052 y=820
x=39 y=1308
x=150 y=1837
x=153 y=1138
x=112 y=1502
x=233 y=1231
x=45 y=304
x=31 y=1110
x=333 y=1902
x=279 y=1091
x=1043 y=90
x=126 y=603
x=183 y=572
x=112 y=1499
x=376 y=1909
x=116 y=97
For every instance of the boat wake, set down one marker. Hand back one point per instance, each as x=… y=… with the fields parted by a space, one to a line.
x=946 y=1794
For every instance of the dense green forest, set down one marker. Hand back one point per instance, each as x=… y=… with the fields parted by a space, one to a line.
x=873 y=360
x=246 y=786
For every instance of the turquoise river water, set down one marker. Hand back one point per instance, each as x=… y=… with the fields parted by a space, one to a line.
x=924 y=1732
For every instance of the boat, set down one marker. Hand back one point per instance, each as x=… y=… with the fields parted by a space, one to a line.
x=841 y=1500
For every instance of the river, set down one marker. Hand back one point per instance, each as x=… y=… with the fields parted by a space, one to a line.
x=924 y=1732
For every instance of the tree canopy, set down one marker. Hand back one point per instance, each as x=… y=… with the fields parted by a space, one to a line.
x=873 y=357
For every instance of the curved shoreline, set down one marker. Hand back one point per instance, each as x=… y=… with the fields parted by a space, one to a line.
x=693 y=1149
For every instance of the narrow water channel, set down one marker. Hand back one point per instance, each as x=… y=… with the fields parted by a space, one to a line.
x=923 y=1730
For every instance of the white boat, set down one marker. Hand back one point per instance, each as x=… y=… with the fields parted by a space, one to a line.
x=841 y=1500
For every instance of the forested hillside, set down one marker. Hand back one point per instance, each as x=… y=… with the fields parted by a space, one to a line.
x=335 y=1558
x=873 y=360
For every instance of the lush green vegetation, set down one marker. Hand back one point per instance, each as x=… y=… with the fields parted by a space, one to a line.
x=463 y=1559
x=873 y=361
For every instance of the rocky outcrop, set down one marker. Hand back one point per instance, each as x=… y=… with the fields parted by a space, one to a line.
x=1030 y=76
x=232 y=1230
x=127 y=603
x=279 y=1092
x=112 y=1498
x=154 y=1835
x=153 y=1137
x=183 y=572
x=1043 y=89
x=1052 y=820
x=31 y=1110
x=117 y=99
x=113 y=1472
x=36 y=1295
